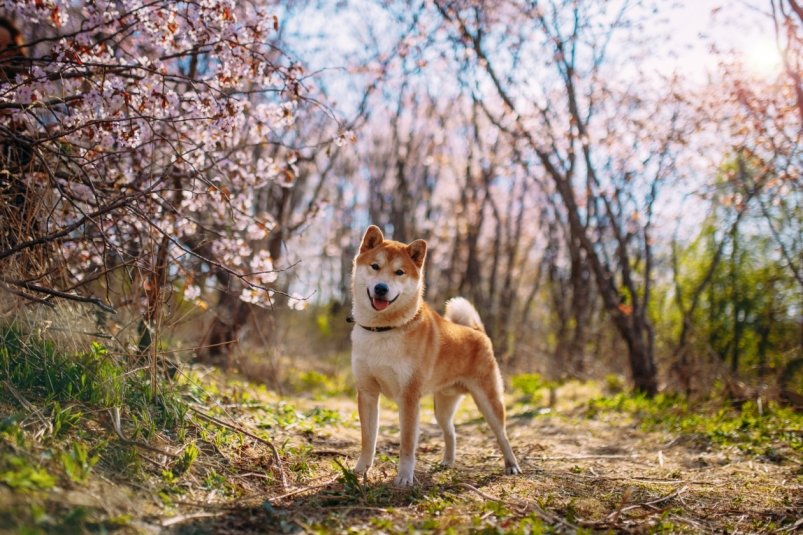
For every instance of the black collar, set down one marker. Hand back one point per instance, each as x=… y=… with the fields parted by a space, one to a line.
x=372 y=329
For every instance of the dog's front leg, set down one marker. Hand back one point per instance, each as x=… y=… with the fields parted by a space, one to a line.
x=408 y=424
x=368 y=408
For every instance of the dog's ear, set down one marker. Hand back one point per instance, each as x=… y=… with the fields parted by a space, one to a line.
x=418 y=252
x=373 y=238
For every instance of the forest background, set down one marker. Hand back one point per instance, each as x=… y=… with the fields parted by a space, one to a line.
x=614 y=193
x=615 y=185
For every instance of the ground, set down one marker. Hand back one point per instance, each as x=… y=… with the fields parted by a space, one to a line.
x=590 y=464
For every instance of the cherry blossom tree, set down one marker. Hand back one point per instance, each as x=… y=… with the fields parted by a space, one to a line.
x=142 y=143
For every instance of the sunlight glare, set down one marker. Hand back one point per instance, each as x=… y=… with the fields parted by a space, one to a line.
x=763 y=58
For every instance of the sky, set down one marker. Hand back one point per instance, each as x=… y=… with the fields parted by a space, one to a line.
x=335 y=39
x=742 y=26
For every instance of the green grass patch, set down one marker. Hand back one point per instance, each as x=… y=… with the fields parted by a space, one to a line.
x=77 y=463
x=753 y=430
x=53 y=378
x=529 y=387
x=19 y=474
x=54 y=442
x=320 y=386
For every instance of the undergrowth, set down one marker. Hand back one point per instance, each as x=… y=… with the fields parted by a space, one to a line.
x=57 y=441
x=70 y=417
x=93 y=377
x=62 y=430
x=754 y=429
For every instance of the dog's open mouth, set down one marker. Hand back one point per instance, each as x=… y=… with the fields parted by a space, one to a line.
x=380 y=304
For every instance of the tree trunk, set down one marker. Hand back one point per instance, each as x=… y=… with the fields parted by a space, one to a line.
x=231 y=314
x=631 y=325
x=581 y=312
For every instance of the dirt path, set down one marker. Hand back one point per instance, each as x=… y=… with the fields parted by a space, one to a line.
x=579 y=473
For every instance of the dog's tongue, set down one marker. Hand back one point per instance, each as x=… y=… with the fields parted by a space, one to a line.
x=380 y=304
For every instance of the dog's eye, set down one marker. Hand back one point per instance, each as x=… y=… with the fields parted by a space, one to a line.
x=375 y=267
x=399 y=272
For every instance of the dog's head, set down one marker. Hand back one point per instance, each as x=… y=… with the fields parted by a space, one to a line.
x=388 y=280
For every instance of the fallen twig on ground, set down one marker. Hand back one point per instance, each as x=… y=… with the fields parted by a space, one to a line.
x=792 y=527
x=544 y=515
x=675 y=494
x=252 y=474
x=626 y=497
x=178 y=519
x=299 y=491
x=29 y=407
x=115 y=413
x=156 y=463
x=610 y=521
x=242 y=500
x=613 y=520
x=328 y=452
x=239 y=429
x=581 y=457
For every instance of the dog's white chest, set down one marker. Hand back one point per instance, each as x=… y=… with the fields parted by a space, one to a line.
x=381 y=357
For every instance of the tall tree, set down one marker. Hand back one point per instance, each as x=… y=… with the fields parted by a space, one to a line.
x=544 y=75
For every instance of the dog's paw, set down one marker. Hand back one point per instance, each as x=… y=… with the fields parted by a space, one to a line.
x=512 y=470
x=361 y=468
x=404 y=480
x=447 y=463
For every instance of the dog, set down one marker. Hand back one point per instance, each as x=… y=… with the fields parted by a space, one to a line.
x=403 y=349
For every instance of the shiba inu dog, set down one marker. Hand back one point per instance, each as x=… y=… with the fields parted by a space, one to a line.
x=404 y=350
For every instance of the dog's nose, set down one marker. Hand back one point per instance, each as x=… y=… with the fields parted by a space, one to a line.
x=381 y=290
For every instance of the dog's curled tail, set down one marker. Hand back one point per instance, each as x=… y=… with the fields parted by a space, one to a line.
x=461 y=312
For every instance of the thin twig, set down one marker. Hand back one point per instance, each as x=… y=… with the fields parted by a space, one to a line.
x=244 y=506
x=115 y=413
x=612 y=519
x=581 y=457
x=97 y=301
x=659 y=500
x=12 y=291
x=252 y=474
x=329 y=452
x=239 y=429
x=793 y=526
x=553 y=519
x=98 y=335
x=28 y=405
x=199 y=347
x=152 y=461
x=299 y=491
x=625 y=498
x=183 y=518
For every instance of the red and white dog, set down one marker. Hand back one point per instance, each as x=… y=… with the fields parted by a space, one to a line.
x=404 y=350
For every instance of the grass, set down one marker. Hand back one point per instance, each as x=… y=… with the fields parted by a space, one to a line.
x=768 y=431
x=318 y=385
x=63 y=468
x=93 y=378
x=56 y=431
x=77 y=463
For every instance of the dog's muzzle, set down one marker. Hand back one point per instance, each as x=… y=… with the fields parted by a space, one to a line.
x=380 y=302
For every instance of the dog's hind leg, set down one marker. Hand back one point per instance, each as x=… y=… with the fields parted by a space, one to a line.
x=445 y=407
x=368 y=408
x=489 y=397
